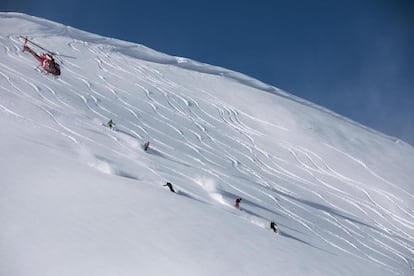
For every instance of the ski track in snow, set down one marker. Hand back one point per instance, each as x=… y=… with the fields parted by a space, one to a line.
x=160 y=104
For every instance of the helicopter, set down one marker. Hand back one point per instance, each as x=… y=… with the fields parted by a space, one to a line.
x=47 y=60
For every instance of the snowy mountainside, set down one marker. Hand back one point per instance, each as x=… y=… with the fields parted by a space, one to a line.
x=77 y=198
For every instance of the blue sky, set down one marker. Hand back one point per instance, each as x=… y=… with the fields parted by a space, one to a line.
x=353 y=57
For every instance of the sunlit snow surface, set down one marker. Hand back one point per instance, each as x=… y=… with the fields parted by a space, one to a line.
x=77 y=198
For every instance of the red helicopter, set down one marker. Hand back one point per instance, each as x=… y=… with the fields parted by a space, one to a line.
x=46 y=60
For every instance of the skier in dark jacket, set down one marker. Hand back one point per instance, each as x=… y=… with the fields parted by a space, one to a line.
x=238 y=202
x=170 y=186
x=146 y=146
x=274 y=227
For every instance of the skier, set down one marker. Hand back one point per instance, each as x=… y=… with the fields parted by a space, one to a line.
x=274 y=227
x=110 y=124
x=146 y=145
x=46 y=61
x=170 y=186
x=238 y=202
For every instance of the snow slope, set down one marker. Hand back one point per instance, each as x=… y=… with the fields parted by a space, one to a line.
x=77 y=198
